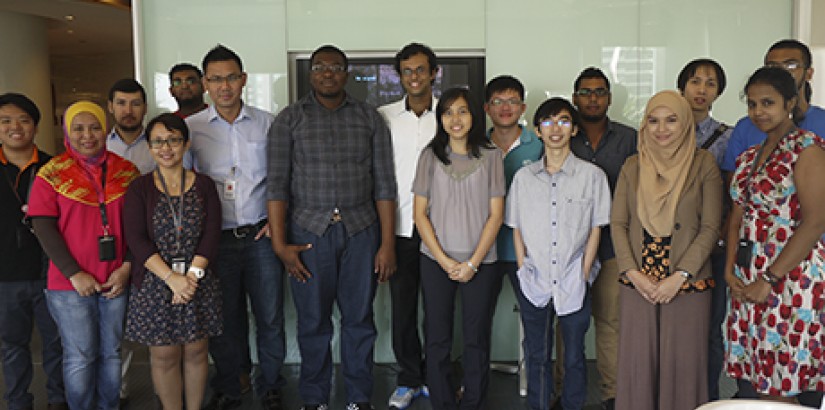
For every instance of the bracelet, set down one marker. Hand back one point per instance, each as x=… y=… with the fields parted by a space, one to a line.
x=470 y=264
x=769 y=277
x=168 y=275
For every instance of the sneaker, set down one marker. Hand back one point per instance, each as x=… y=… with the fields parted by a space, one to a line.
x=271 y=400
x=403 y=396
x=322 y=406
x=360 y=406
x=424 y=391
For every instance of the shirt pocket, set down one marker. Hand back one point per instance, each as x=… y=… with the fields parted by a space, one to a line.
x=576 y=216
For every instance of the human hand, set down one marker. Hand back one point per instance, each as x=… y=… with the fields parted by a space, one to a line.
x=117 y=282
x=85 y=284
x=644 y=284
x=263 y=232
x=462 y=272
x=757 y=291
x=736 y=286
x=385 y=264
x=290 y=256
x=668 y=288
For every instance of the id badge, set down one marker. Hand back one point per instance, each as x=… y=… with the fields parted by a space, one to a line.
x=106 y=247
x=179 y=265
x=229 y=187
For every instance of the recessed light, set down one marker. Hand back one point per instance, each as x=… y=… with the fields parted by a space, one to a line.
x=69 y=17
x=69 y=31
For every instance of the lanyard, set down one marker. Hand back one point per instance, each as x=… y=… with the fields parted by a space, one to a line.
x=177 y=218
x=101 y=195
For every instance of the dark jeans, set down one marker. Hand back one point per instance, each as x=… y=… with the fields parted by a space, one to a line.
x=404 y=292
x=477 y=296
x=718 y=311
x=249 y=267
x=342 y=269
x=538 y=352
x=23 y=305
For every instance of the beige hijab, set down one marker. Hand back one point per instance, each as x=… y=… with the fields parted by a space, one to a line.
x=663 y=171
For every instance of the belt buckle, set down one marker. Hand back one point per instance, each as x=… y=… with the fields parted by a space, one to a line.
x=240 y=232
x=336 y=217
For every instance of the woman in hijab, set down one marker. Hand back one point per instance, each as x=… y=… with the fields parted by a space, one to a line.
x=665 y=222
x=76 y=206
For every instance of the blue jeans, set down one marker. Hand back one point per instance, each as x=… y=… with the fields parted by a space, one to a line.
x=538 y=353
x=91 y=329
x=249 y=267
x=342 y=272
x=23 y=305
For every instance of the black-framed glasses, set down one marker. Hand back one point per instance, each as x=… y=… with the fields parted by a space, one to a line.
x=498 y=102
x=598 y=92
x=322 y=68
x=188 y=81
x=231 y=78
x=173 y=142
x=420 y=70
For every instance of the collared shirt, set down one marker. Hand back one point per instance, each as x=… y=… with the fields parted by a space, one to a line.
x=705 y=130
x=618 y=143
x=137 y=151
x=554 y=214
x=410 y=134
x=21 y=257
x=321 y=160
x=525 y=150
x=236 y=151
x=746 y=135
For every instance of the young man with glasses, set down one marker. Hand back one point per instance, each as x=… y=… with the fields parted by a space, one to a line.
x=186 y=86
x=607 y=144
x=229 y=145
x=412 y=125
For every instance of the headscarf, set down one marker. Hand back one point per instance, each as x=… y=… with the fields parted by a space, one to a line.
x=68 y=117
x=663 y=171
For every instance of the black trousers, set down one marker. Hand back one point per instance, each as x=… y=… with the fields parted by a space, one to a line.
x=404 y=291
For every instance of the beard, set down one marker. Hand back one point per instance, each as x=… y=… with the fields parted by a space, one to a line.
x=130 y=128
x=593 y=118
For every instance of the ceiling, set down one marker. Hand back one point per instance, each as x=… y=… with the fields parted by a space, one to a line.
x=95 y=26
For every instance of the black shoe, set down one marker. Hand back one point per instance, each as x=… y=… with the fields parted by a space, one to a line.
x=222 y=402
x=609 y=404
x=271 y=400
x=246 y=383
x=58 y=406
x=556 y=404
x=315 y=407
x=360 y=406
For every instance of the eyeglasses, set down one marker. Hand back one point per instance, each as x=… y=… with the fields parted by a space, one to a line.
x=598 y=92
x=788 y=65
x=322 y=68
x=231 y=78
x=560 y=123
x=420 y=70
x=498 y=102
x=173 y=142
x=188 y=81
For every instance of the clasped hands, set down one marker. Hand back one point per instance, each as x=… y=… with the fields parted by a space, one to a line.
x=754 y=292
x=458 y=271
x=183 y=287
x=656 y=291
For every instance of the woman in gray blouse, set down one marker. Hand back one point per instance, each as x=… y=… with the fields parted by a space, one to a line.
x=458 y=209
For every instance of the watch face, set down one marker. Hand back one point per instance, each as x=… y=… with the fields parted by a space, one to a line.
x=199 y=273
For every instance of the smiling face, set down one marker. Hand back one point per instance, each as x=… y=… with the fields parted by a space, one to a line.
x=417 y=75
x=662 y=126
x=702 y=89
x=592 y=107
x=505 y=108
x=224 y=81
x=17 y=128
x=167 y=146
x=768 y=110
x=457 y=119
x=555 y=131
x=86 y=135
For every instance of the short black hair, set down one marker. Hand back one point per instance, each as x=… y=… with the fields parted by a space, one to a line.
x=329 y=48
x=690 y=69
x=590 y=72
x=127 y=85
x=503 y=83
x=22 y=102
x=184 y=67
x=170 y=122
x=412 y=49
x=796 y=45
x=554 y=106
x=220 y=53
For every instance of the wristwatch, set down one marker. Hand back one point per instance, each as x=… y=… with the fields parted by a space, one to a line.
x=199 y=272
x=685 y=275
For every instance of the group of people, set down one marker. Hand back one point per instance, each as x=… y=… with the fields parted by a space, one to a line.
x=160 y=234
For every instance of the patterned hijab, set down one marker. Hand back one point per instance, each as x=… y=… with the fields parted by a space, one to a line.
x=663 y=170
x=68 y=117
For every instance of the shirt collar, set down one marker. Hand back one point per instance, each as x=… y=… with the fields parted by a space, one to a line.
x=404 y=106
x=527 y=135
x=33 y=160
x=310 y=99
x=113 y=135
x=706 y=126
x=568 y=167
x=213 y=113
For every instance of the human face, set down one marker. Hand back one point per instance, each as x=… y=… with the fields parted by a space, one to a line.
x=457 y=120
x=505 y=108
x=555 y=131
x=128 y=110
x=329 y=80
x=767 y=109
x=17 y=129
x=593 y=108
x=790 y=57
x=167 y=146
x=86 y=135
x=662 y=126
x=186 y=86
x=417 y=75
x=702 y=89
x=225 y=81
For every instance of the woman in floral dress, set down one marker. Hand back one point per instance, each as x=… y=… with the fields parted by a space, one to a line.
x=775 y=325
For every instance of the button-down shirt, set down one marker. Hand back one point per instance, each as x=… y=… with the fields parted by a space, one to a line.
x=321 y=160
x=526 y=149
x=233 y=152
x=554 y=214
x=137 y=151
x=618 y=143
x=705 y=130
x=410 y=134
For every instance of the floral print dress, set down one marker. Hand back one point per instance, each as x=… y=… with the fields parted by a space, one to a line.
x=777 y=345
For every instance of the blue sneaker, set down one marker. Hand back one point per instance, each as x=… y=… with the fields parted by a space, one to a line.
x=403 y=396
